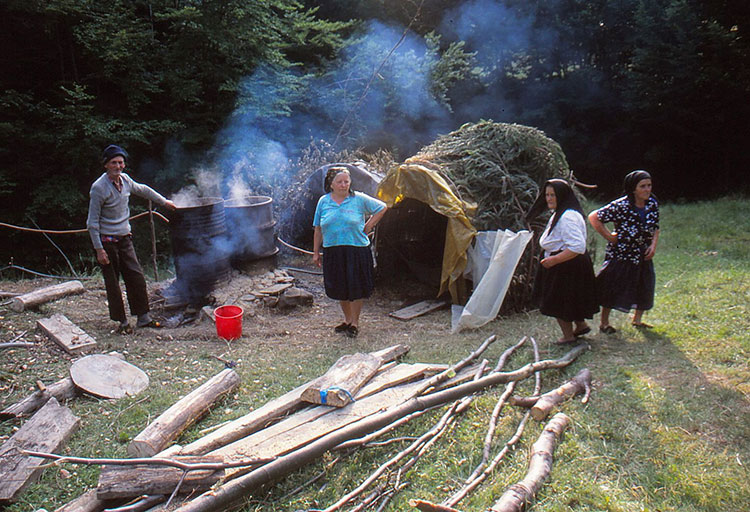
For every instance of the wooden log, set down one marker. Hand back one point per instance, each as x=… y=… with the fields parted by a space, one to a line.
x=88 y=502
x=43 y=295
x=519 y=495
x=341 y=382
x=66 y=334
x=116 y=481
x=181 y=415
x=277 y=408
x=61 y=390
x=541 y=406
x=47 y=430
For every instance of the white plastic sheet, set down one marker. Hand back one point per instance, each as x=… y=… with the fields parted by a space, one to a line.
x=489 y=293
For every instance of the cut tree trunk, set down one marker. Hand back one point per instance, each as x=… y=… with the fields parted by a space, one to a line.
x=47 y=430
x=36 y=298
x=181 y=415
x=519 y=495
x=341 y=382
x=116 y=481
x=62 y=390
x=259 y=418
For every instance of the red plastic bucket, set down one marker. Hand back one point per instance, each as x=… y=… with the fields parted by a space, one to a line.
x=228 y=322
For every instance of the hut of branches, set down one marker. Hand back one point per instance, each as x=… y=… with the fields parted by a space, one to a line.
x=482 y=177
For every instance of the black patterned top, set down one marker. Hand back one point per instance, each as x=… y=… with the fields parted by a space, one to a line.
x=634 y=231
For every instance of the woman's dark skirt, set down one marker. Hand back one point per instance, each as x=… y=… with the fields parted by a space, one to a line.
x=567 y=291
x=347 y=272
x=623 y=286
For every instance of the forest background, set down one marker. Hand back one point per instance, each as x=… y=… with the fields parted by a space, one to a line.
x=241 y=89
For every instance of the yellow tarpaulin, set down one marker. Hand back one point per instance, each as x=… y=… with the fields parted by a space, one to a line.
x=428 y=186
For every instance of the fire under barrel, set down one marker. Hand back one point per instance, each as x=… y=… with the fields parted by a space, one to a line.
x=250 y=228
x=199 y=248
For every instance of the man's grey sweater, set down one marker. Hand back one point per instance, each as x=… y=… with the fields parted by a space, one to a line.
x=109 y=209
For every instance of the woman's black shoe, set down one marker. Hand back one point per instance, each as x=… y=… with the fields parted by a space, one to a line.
x=352 y=331
x=341 y=327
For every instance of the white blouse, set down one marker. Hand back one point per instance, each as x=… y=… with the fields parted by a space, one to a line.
x=569 y=233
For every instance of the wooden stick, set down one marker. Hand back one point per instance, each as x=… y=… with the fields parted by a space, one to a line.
x=153 y=239
x=483 y=470
x=16 y=344
x=521 y=494
x=154 y=461
x=450 y=372
x=426 y=506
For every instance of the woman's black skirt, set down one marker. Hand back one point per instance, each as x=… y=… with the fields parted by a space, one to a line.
x=347 y=272
x=567 y=291
x=623 y=286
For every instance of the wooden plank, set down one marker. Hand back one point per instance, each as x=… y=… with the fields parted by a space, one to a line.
x=269 y=412
x=119 y=481
x=65 y=333
x=266 y=443
x=341 y=382
x=46 y=431
x=312 y=414
x=62 y=390
x=43 y=295
x=275 y=289
x=399 y=374
x=108 y=376
x=418 y=309
x=172 y=422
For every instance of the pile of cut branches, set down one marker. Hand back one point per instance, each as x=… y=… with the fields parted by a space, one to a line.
x=499 y=166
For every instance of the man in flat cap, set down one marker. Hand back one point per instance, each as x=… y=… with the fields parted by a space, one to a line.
x=109 y=226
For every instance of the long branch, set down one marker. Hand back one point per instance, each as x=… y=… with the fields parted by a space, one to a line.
x=187 y=466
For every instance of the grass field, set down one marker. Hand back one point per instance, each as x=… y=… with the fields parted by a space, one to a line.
x=667 y=427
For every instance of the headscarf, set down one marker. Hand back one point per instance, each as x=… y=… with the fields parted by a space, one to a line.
x=566 y=200
x=631 y=182
x=331 y=175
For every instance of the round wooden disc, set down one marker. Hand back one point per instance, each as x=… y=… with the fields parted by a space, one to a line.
x=108 y=376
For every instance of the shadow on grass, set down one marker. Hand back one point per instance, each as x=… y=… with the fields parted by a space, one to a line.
x=669 y=435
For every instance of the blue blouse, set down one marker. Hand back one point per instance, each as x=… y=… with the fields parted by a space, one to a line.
x=344 y=224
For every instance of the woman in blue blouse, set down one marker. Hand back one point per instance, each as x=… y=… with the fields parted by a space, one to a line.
x=343 y=220
x=626 y=280
x=564 y=285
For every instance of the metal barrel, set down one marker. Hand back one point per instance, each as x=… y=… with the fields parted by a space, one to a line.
x=199 y=247
x=250 y=228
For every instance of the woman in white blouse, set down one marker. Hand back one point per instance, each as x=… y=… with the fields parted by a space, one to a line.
x=564 y=287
